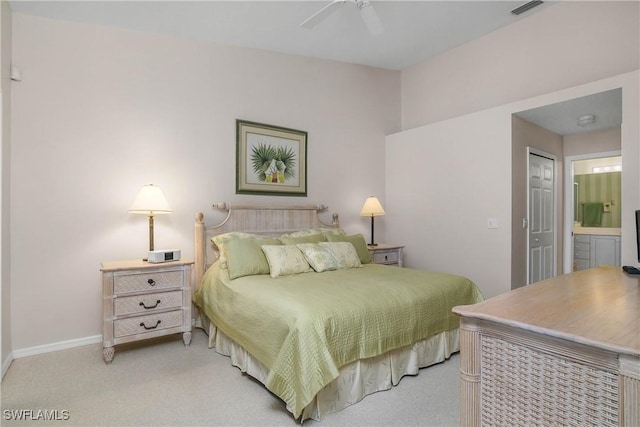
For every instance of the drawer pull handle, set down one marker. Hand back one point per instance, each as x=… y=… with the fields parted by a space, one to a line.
x=142 y=304
x=151 y=282
x=150 y=327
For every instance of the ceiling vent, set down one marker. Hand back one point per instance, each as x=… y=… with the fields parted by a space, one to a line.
x=525 y=7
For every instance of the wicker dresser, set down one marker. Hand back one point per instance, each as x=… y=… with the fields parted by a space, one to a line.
x=565 y=351
x=143 y=300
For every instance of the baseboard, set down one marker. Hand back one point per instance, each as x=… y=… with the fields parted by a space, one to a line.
x=56 y=346
x=6 y=363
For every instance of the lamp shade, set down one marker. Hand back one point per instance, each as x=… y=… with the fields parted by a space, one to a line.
x=372 y=207
x=150 y=201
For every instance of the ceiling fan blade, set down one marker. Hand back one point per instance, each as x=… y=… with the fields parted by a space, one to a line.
x=370 y=17
x=320 y=15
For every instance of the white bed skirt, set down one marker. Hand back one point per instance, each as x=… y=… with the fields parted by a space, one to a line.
x=357 y=379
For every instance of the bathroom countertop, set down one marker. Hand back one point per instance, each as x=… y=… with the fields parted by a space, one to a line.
x=603 y=231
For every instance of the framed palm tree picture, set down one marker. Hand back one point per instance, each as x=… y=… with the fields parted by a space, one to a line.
x=270 y=160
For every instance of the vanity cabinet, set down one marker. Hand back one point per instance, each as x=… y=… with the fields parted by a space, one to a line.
x=581 y=252
x=605 y=250
x=593 y=250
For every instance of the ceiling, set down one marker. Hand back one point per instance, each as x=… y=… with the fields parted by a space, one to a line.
x=414 y=31
x=562 y=118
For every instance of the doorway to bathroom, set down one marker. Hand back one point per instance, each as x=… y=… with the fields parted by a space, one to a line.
x=593 y=212
x=575 y=129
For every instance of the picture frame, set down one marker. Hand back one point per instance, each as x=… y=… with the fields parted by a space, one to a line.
x=270 y=160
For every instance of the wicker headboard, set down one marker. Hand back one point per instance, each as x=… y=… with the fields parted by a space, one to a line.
x=256 y=219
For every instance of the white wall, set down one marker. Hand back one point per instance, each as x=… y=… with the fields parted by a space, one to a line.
x=447 y=178
x=451 y=169
x=5 y=179
x=444 y=182
x=563 y=45
x=101 y=112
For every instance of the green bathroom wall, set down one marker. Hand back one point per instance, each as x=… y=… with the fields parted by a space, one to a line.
x=605 y=188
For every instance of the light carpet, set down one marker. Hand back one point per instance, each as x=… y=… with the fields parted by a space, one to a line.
x=163 y=383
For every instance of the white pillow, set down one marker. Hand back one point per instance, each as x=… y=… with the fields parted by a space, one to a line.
x=345 y=252
x=285 y=260
x=319 y=258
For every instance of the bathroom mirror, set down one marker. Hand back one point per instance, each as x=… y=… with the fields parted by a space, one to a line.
x=598 y=192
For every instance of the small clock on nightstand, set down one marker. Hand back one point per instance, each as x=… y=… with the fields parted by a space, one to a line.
x=386 y=254
x=144 y=300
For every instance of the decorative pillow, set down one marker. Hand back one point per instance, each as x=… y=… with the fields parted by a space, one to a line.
x=319 y=258
x=312 y=238
x=221 y=240
x=358 y=242
x=345 y=252
x=245 y=256
x=285 y=260
x=312 y=231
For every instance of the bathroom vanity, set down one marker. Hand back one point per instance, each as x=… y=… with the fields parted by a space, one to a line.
x=595 y=246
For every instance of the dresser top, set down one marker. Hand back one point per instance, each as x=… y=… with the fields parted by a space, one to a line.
x=135 y=264
x=598 y=307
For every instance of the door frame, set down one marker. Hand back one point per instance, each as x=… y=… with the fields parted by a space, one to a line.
x=554 y=158
x=568 y=202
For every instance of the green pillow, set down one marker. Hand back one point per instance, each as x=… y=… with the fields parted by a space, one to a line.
x=245 y=256
x=358 y=242
x=220 y=242
x=313 y=238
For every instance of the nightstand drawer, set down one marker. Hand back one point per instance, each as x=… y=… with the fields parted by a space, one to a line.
x=147 y=303
x=149 y=323
x=147 y=281
x=386 y=257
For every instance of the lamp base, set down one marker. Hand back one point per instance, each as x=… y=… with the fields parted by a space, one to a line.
x=372 y=244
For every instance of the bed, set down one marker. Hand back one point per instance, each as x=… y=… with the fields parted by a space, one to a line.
x=295 y=303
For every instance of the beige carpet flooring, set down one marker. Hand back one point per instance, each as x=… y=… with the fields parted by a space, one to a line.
x=164 y=383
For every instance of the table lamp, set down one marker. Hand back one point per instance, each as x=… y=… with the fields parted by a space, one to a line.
x=150 y=201
x=372 y=207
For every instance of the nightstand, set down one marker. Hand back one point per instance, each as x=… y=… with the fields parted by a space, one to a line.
x=142 y=300
x=386 y=254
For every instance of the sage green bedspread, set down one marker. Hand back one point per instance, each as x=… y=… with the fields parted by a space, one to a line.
x=305 y=327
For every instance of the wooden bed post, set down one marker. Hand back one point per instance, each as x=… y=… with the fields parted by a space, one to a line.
x=198 y=270
x=335 y=223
